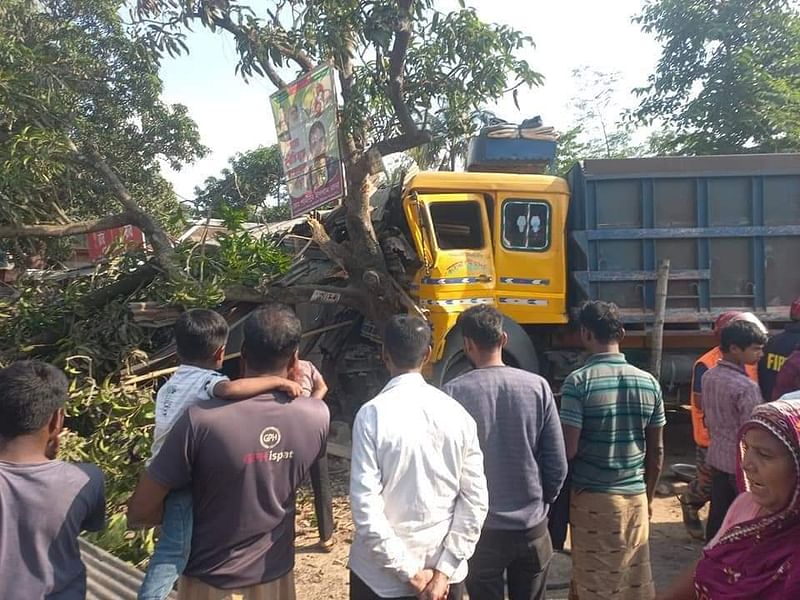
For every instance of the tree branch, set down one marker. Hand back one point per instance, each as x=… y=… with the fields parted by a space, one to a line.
x=402 y=143
x=397 y=63
x=303 y=60
x=261 y=50
x=163 y=251
x=76 y=228
x=225 y=22
x=125 y=286
x=336 y=252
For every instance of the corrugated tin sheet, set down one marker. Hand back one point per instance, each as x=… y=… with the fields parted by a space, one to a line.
x=107 y=577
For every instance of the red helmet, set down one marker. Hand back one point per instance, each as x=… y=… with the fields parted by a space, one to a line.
x=730 y=316
x=794 y=311
x=724 y=320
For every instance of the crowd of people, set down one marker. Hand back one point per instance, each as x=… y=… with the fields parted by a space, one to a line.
x=454 y=491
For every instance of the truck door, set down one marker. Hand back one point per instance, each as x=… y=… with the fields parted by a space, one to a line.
x=530 y=257
x=461 y=270
x=453 y=239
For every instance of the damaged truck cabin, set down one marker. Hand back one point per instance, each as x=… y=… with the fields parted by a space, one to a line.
x=537 y=246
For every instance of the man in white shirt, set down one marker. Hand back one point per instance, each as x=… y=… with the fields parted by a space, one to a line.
x=417 y=488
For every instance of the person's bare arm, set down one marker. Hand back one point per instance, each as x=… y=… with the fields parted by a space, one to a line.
x=572 y=436
x=571 y=414
x=146 y=506
x=654 y=459
x=320 y=388
x=247 y=387
x=682 y=588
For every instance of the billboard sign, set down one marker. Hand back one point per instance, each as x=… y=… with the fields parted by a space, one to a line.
x=306 y=122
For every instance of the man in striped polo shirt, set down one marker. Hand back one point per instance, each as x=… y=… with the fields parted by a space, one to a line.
x=613 y=418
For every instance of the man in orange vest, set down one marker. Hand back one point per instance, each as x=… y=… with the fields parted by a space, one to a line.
x=699 y=491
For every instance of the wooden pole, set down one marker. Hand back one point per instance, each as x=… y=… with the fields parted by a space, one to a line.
x=657 y=339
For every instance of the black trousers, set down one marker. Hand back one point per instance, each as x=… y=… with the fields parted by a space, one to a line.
x=523 y=556
x=323 y=500
x=723 y=493
x=558 y=516
x=361 y=591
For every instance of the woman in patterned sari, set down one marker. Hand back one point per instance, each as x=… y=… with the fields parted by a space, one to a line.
x=756 y=553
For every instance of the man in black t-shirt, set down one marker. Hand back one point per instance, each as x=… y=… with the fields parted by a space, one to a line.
x=777 y=350
x=244 y=461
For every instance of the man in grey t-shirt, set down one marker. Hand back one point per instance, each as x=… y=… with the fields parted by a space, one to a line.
x=524 y=460
x=244 y=461
x=44 y=503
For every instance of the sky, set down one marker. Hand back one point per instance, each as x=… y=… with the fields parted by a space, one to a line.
x=234 y=116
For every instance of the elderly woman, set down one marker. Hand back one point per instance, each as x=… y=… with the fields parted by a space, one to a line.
x=756 y=553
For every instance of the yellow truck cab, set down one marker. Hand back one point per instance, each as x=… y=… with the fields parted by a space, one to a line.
x=496 y=238
x=536 y=247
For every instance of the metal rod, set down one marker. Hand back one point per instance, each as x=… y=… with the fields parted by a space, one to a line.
x=657 y=340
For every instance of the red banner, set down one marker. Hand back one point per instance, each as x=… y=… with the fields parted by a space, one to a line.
x=100 y=241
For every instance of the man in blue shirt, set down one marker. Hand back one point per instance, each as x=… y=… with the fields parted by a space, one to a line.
x=524 y=460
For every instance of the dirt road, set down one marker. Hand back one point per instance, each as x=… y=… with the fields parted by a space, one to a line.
x=324 y=576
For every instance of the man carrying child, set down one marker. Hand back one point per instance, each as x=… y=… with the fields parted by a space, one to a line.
x=243 y=462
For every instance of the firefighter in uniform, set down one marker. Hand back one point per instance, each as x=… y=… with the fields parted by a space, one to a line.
x=777 y=350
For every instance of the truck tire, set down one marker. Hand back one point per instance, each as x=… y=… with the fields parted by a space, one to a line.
x=519 y=352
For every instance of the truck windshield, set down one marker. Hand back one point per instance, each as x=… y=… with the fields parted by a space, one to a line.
x=458 y=225
x=526 y=225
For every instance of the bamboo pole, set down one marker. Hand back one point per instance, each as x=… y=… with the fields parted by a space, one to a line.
x=657 y=339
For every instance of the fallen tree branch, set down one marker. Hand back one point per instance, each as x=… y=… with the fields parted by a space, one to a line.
x=163 y=251
x=125 y=286
x=75 y=228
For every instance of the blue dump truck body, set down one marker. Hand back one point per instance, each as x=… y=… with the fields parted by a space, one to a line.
x=730 y=226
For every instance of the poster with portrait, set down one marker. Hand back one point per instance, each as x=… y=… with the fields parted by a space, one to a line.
x=305 y=119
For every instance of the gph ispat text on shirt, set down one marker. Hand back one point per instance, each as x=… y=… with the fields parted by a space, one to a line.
x=268 y=456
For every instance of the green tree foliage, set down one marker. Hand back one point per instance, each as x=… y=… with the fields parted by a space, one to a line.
x=445 y=152
x=445 y=65
x=72 y=79
x=599 y=130
x=570 y=151
x=252 y=183
x=402 y=64
x=728 y=80
x=98 y=343
x=82 y=133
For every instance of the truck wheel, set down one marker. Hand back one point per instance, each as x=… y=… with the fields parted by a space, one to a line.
x=519 y=352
